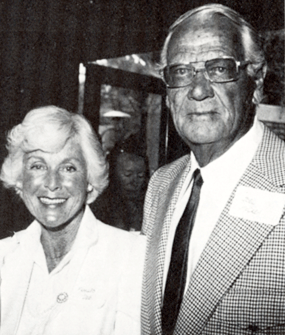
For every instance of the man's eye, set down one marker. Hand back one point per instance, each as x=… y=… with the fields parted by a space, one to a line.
x=218 y=70
x=221 y=69
x=181 y=71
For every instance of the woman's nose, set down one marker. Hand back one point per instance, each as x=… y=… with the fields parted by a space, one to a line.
x=200 y=88
x=138 y=180
x=52 y=181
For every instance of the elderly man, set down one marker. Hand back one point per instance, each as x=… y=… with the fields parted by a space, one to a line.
x=215 y=218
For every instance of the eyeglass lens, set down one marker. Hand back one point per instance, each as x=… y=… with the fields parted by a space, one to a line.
x=219 y=70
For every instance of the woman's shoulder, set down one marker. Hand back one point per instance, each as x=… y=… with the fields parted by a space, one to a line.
x=9 y=244
x=13 y=243
x=121 y=244
x=122 y=237
x=6 y=243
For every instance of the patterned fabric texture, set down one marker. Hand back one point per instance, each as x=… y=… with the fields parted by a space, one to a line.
x=238 y=286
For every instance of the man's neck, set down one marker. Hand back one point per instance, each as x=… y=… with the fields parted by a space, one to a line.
x=208 y=152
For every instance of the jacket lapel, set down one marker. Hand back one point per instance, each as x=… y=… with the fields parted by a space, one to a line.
x=232 y=244
x=157 y=246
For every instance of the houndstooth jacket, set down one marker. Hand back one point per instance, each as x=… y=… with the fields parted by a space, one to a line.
x=238 y=285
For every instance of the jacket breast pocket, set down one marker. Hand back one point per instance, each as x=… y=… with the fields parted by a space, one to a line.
x=244 y=311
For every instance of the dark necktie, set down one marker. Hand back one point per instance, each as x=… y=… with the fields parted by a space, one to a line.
x=176 y=278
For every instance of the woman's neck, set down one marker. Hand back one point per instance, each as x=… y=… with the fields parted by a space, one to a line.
x=56 y=244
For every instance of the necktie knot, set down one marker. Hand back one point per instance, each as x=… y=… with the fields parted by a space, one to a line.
x=198 y=180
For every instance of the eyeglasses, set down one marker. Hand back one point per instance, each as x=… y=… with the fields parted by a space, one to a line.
x=218 y=70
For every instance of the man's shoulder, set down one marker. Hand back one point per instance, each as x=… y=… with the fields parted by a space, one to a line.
x=270 y=158
x=166 y=175
x=270 y=139
x=172 y=169
x=272 y=147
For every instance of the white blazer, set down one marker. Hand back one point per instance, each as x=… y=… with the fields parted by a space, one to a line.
x=106 y=296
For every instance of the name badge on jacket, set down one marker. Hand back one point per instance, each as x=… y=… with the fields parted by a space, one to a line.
x=258 y=205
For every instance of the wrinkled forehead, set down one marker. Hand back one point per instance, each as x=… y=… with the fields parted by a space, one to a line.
x=204 y=36
x=46 y=137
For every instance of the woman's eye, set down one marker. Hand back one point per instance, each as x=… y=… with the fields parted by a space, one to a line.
x=69 y=168
x=37 y=167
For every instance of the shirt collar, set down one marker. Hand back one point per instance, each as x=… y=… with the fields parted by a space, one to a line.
x=236 y=159
x=87 y=234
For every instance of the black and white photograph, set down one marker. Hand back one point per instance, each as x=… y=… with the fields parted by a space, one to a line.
x=142 y=167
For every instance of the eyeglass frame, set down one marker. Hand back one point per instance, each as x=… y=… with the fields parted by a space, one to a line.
x=239 y=64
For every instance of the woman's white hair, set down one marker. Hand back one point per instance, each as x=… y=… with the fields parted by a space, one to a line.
x=251 y=41
x=48 y=128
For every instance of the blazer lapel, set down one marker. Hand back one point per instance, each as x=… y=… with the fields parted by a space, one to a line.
x=232 y=244
x=157 y=246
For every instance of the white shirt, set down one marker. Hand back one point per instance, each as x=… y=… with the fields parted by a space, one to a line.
x=45 y=289
x=219 y=180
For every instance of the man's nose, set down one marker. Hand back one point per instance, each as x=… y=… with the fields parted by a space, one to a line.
x=200 y=88
x=53 y=181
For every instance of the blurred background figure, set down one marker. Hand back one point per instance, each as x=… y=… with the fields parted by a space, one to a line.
x=121 y=204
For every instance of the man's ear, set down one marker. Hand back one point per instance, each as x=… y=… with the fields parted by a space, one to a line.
x=259 y=77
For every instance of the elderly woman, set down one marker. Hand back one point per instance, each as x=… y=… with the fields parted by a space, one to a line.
x=67 y=273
